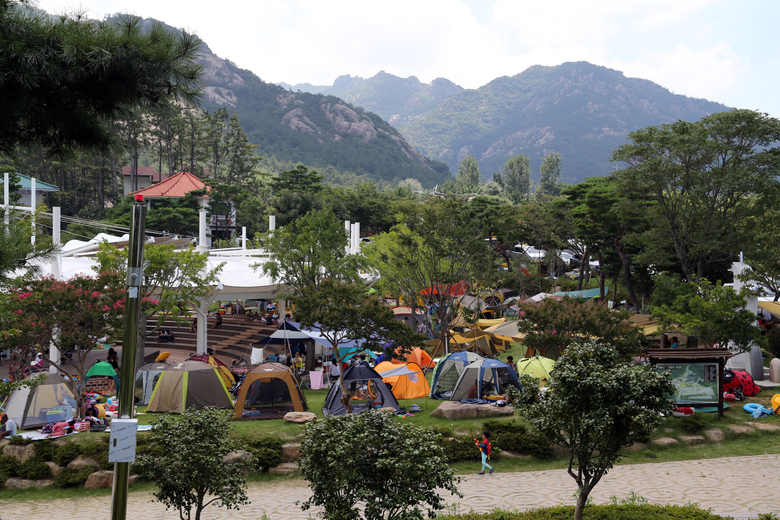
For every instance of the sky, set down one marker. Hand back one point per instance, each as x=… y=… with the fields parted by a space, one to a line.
x=724 y=51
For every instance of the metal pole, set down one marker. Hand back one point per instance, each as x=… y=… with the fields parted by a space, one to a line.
x=135 y=260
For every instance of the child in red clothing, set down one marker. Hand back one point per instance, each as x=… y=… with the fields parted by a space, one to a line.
x=485 y=449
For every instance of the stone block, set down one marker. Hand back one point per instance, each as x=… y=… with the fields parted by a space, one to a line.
x=664 y=441
x=100 y=479
x=766 y=427
x=238 y=457
x=693 y=439
x=20 y=452
x=774 y=370
x=715 y=435
x=560 y=451
x=458 y=410
x=299 y=417
x=82 y=461
x=23 y=483
x=740 y=430
x=54 y=468
x=291 y=452
x=285 y=468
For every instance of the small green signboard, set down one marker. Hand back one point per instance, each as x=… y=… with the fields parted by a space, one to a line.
x=694 y=383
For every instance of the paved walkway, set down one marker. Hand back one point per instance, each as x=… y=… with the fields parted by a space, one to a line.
x=741 y=487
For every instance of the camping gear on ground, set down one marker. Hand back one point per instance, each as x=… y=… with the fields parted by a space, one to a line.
x=268 y=392
x=683 y=411
x=740 y=379
x=757 y=411
x=145 y=380
x=103 y=368
x=776 y=403
x=538 y=366
x=368 y=384
x=448 y=372
x=50 y=401
x=485 y=376
x=224 y=371
x=407 y=380
x=189 y=385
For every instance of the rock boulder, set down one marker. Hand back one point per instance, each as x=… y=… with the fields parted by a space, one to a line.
x=714 y=434
x=100 y=479
x=23 y=483
x=82 y=461
x=21 y=452
x=291 y=452
x=299 y=417
x=664 y=441
x=457 y=410
x=285 y=468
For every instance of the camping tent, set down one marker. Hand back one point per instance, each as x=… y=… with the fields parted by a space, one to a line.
x=484 y=376
x=224 y=371
x=375 y=392
x=537 y=366
x=407 y=380
x=419 y=356
x=103 y=368
x=448 y=371
x=474 y=340
x=189 y=385
x=146 y=379
x=50 y=401
x=268 y=392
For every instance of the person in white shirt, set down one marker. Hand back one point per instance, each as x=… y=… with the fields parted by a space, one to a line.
x=8 y=425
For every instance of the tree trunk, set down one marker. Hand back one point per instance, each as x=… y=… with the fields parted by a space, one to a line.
x=582 y=500
x=584 y=264
x=310 y=358
x=602 y=276
x=627 y=275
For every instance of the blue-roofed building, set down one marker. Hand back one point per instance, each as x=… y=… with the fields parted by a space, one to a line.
x=26 y=189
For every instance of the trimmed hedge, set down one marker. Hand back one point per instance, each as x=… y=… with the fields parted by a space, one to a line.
x=608 y=512
x=267 y=451
x=70 y=477
x=67 y=453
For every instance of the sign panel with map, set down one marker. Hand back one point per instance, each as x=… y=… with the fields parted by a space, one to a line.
x=694 y=383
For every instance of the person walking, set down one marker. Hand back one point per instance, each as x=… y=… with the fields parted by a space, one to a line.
x=485 y=449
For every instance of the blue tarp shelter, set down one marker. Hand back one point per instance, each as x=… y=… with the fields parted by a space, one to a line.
x=585 y=294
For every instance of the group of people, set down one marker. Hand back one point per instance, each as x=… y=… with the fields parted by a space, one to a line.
x=165 y=336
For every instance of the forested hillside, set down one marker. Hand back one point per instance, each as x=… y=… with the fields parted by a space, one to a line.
x=314 y=129
x=579 y=110
x=398 y=100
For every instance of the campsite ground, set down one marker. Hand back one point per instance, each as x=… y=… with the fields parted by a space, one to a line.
x=741 y=436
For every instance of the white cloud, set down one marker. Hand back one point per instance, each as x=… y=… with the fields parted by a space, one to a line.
x=705 y=73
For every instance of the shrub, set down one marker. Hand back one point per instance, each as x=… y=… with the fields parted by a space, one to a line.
x=513 y=436
x=45 y=450
x=9 y=466
x=267 y=451
x=606 y=512
x=34 y=469
x=773 y=340
x=693 y=424
x=70 y=477
x=19 y=441
x=67 y=453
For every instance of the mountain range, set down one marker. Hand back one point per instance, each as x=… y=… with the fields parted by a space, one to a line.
x=580 y=110
x=386 y=128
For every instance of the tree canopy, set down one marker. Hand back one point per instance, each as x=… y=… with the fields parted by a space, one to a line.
x=63 y=80
x=705 y=178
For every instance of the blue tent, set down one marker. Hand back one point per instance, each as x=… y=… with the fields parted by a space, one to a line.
x=448 y=371
x=486 y=376
x=347 y=353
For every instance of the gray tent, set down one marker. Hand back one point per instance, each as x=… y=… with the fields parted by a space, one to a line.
x=187 y=385
x=50 y=401
x=484 y=376
x=145 y=380
x=376 y=389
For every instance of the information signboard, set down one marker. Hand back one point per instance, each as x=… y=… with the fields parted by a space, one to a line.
x=694 y=383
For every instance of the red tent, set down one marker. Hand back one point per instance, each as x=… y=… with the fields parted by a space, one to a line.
x=455 y=290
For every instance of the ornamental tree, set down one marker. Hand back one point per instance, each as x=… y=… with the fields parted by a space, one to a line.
x=391 y=470
x=596 y=405
x=711 y=312
x=72 y=315
x=552 y=326
x=188 y=463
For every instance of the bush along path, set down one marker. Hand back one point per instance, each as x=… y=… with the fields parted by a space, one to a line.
x=740 y=487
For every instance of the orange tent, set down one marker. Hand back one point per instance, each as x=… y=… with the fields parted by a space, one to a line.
x=419 y=356
x=412 y=384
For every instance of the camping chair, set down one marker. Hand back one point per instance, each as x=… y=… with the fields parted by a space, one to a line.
x=305 y=381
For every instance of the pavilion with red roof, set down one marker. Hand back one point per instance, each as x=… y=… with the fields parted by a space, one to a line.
x=174 y=187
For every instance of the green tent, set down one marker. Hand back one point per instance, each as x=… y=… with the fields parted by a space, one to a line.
x=103 y=368
x=537 y=366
